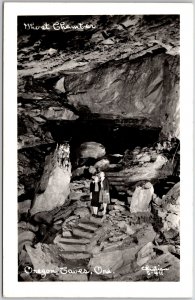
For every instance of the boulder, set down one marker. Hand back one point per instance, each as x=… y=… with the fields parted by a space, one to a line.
x=141 y=198
x=21 y=189
x=169 y=212
x=59 y=113
x=79 y=172
x=24 y=259
x=102 y=164
x=82 y=212
x=92 y=170
x=119 y=207
x=42 y=260
x=25 y=238
x=171 y=265
x=129 y=230
x=91 y=150
x=145 y=254
x=147 y=171
x=145 y=234
x=59 y=86
x=109 y=261
x=24 y=206
x=143 y=157
x=28 y=226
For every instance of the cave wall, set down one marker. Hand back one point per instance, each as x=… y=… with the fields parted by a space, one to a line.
x=170 y=120
x=147 y=87
x=126 y=66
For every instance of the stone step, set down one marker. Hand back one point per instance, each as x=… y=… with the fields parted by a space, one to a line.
x=73 y=248
x=121 y=188
x=90 y=220
x=74 y=241
x=116 y=179
x=95 y=220
x=117 y=183
x=75 y=256
x=82 y=233
x=114 y=174
x=87 y=226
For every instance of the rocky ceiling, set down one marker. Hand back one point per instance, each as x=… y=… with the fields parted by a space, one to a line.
x=126 y=68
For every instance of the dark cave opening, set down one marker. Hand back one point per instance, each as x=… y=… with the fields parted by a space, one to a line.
x=116 y=136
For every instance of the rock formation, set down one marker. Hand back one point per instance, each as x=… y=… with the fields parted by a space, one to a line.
x=54 y=186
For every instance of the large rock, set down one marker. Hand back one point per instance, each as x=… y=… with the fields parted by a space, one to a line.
x=91 y=150
x=42 y=260
x=25 y=238
x=102 y=164
x=109 y=261
x=145 y=254
x=171 y=265
x=60 y=86
x=79 y=172
x=141 y=198
x=170 y=212
x=24 y=206
x=59 y=113
x=82 y=212
x=54 y=187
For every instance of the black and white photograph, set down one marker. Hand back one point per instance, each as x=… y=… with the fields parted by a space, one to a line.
x=98 y=148
x=98 y=140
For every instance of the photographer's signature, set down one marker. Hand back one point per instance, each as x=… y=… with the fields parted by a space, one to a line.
x=154 y=270
x=65 y=271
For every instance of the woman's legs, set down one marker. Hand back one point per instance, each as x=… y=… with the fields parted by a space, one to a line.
x=95 y=210
x=104 y=207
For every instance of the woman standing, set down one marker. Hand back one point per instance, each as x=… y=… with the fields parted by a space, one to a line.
x=94 y=194
x=104 y=195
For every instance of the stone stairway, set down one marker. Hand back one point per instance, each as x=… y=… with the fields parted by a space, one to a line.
x=79 y=245
x=118 y=180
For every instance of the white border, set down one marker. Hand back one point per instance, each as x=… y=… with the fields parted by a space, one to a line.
x=13 y=288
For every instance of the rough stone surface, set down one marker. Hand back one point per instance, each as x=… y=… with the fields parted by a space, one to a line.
x=102 y=164
x=107 y=261
x=56 y=182
x=24 y=206
x=170 y=212
x=141 y=198
x=25 y=238
x=145 y=254
x=131 y=71
x=82 y=212
x=92 y=150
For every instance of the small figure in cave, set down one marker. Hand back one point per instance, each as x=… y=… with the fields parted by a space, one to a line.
x=94 y=194
x=104 y=195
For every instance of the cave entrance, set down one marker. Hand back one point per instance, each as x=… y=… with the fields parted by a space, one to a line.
x=115 y=135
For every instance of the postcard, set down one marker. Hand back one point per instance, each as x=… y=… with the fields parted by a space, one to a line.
x=98 y=150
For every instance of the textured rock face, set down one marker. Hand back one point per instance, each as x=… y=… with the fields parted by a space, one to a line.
x=127 y=88
x=128 y=66
x=141 y=198
x=170 y=212
x=54 y=187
